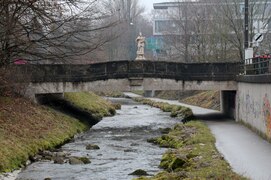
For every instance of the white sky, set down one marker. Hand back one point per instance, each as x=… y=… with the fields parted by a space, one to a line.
x=148 y=4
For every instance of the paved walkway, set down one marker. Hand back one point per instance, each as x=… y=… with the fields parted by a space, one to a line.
x=247 y=153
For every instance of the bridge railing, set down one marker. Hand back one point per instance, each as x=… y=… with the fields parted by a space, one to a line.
x=256 y=66
x=129 y=69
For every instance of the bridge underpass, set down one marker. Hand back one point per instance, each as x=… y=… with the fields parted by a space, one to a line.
x=132 y=75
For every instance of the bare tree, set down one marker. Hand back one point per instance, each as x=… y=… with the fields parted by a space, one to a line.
x=39 y=30
x=122 y=47
x=212 y=30
x=232 y=12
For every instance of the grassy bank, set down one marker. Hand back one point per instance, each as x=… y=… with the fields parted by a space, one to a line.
x=27 y=128
x=175 y=110
x=115 y=94
x=193 y=154
x=91 y=103
x=206 y=99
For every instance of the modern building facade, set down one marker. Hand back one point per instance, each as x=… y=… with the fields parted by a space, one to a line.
x=208 y=30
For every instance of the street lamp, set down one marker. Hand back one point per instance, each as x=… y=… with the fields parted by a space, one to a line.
x=131 y=30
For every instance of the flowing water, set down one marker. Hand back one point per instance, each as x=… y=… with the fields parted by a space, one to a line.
x=123 y=147
x=247 y=153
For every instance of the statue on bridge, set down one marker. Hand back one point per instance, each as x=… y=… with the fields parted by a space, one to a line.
x=140 y=47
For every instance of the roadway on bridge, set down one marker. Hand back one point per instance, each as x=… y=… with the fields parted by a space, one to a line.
x=247 y=153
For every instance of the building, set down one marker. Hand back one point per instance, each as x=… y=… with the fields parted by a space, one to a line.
x=208 y=30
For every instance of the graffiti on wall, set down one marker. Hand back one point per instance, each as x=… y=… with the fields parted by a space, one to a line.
x=267 y=114
x=252 y=108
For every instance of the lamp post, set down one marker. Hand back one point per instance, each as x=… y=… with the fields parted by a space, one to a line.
x=131 y=27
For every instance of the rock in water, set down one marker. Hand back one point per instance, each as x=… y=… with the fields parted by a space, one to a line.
x=59 y=160
x=75 y=161
x=92 y=147
x=139 y=172
x=85 y=160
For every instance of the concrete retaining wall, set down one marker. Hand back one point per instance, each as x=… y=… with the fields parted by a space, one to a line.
x=253 y=106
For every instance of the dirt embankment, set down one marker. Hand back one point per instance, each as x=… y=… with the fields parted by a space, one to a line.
x=27 y=128
x=205 y=99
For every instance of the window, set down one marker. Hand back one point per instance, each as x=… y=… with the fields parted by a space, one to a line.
x=166 y=26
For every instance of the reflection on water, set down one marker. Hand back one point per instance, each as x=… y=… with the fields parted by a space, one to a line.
x=123 y=147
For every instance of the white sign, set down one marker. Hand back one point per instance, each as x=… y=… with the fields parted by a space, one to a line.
x=248 y=54
x=258 y=37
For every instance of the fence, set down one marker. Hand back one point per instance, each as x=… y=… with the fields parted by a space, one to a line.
x=256 y=65
x=128 y=69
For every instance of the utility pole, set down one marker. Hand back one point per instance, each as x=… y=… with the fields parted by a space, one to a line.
x=248 y=50
x=246 y=33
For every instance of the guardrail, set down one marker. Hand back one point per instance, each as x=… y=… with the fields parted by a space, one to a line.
x=256 y=66
x=128 y=69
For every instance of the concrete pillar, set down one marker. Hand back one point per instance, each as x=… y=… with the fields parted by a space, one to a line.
x=149 y=93
x=228 y=103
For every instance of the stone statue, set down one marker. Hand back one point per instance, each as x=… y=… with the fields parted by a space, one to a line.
x=140 y=47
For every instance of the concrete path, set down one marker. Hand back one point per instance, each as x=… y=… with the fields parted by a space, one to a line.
x=247 y=153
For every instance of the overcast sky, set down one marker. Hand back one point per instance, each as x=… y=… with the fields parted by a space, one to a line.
x=148 y=4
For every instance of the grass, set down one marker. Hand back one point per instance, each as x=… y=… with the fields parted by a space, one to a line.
x=175 y=110
x=115 y=94
x=206 y=99
x=27 y=128
x=193 y=154
x=91 y=103
x=138 y=92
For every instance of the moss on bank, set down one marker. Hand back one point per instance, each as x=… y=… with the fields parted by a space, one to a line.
x=193 y=154
x=138 y=92
x=27 y=128
x=175 y=110
x=91 y=103
x=115 y=94
x=205 y=99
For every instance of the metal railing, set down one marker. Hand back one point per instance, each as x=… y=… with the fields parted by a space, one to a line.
x=256 y=66
x=130 y=69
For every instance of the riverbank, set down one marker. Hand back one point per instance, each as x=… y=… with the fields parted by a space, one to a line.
x=204 y=99
x=193 y=154
x=181 y=112
x=123 y=146
x=27 y=128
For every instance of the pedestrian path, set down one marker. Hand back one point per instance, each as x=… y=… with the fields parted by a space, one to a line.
x=247 y=153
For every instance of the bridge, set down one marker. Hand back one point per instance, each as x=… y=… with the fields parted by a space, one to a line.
x=245 y=95
x=129 y=75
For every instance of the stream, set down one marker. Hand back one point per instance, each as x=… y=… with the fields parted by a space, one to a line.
x=247 y=153
x=123 y=147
